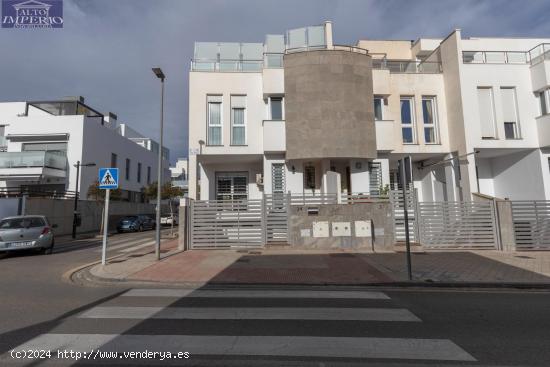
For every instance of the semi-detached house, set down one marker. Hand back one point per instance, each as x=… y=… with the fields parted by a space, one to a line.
x=301 y=114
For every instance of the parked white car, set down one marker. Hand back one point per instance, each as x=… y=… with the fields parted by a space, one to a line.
x=25 y=233
x=168 y=220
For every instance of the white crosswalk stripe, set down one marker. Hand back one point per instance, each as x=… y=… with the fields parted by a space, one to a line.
x=249 y=313
x=137 y=307
x=246 y=293
x=286 y=346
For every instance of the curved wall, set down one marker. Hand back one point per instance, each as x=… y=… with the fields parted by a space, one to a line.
x=329 y=109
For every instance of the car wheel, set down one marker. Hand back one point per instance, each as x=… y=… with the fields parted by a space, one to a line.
x=48 y=250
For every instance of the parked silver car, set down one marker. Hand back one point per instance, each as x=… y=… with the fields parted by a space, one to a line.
x=26 y=232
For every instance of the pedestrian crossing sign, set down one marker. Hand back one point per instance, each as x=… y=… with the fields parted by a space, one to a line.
x=108 y=178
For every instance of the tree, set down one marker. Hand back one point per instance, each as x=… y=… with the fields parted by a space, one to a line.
x=168 y=191
x=97 y=194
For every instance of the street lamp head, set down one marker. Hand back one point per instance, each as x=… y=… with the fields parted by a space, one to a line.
x=158 y=72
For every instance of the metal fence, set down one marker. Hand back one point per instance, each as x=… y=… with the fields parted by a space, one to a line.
x=226 y=224
x=459 y=224
x=531 y=224
x=396 y=199
x=276 y=208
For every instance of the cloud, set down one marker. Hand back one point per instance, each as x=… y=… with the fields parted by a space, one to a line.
x=107 y=48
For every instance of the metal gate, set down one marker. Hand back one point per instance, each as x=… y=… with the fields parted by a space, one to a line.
x=226 y=224
x=531 y=224
x=457 y=224
x=276 y=218
x=396 y=199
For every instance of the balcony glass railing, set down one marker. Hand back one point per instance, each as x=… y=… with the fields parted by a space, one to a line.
x=406 y=66
x=495 y=57
x=44 y=159
x=539 y=53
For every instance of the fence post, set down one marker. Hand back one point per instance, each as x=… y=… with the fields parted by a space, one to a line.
x=191 y=223
x=496 y=224
x=264 y=220
x=417 y=218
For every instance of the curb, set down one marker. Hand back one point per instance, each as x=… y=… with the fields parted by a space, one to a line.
x=86 y=278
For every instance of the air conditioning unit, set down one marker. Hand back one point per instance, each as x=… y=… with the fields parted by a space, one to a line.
x=259 y=179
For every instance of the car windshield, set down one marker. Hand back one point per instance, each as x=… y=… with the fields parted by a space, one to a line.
x=129 y=218
x=18 y=223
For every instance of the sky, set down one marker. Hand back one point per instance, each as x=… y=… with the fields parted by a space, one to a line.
x=106 y=49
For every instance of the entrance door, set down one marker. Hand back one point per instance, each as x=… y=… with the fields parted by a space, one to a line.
x=231 y=185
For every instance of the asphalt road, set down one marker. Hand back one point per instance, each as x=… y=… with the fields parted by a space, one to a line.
x=251 y=326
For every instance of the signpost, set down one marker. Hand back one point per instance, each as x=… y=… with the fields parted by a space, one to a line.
x=405 y=173
x=108 y=179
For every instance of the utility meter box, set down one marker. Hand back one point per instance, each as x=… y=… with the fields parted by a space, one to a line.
x=341 y=229
x=320 y=229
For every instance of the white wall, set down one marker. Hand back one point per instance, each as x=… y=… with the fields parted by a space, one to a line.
x=519 y=176
x=202 y=84
x=98 y=145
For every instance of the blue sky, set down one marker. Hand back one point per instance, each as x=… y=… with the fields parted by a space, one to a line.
x=107 y=47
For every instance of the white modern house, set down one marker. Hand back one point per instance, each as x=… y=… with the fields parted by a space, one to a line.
x=42 y=141
x=179 y=174
x=301 y=114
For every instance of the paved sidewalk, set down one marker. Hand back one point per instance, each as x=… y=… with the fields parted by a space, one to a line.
x=282 y=266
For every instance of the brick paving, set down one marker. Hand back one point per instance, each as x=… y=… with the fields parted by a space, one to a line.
x=280 y=266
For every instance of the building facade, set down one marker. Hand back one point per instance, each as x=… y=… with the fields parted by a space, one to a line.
x=42 y=142
x=300 y=114
x=179 y=174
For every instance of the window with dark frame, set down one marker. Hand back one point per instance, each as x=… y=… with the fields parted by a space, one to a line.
x=127 y=169
x=113 y=160
x=139 y=172
x=148 y=175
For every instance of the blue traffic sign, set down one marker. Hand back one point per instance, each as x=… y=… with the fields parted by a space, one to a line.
x=108 y=178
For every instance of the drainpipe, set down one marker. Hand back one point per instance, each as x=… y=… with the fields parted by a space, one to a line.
x=328 y=35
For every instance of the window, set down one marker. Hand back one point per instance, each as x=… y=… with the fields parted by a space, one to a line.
x=429 y=113
x=127 y=169
x=276 y=108
x=407 y=120
x=231 y=185
x=543 y=102
x=139 y=173
x=278 y=178
x=309 y=177
x=113 y=160
x=509 y=113
x=214 y=135
x=379 y=107
x=486 y=112
x=148 y=175
x=238 y=117
x=60 y=147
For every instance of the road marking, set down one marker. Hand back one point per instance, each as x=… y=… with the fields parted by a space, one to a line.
x=125 y=242
x=288 y=346
x=130 y=249
x=253 y=293
x=251 y=313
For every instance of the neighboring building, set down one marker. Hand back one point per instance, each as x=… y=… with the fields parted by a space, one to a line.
x=179 y=174
x=300 y=114
x=42 y=141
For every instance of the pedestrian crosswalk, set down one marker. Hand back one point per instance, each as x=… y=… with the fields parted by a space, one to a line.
x=252 y=323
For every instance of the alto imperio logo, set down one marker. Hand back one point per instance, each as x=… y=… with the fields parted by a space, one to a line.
x=32 y=14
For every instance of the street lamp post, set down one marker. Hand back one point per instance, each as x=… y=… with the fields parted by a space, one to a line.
x=78 y=165
x=158 y=72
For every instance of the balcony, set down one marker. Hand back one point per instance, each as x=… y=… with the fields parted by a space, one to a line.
x=407 y=66
x=274 y=136
x=32 y=165
x=543 y=126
